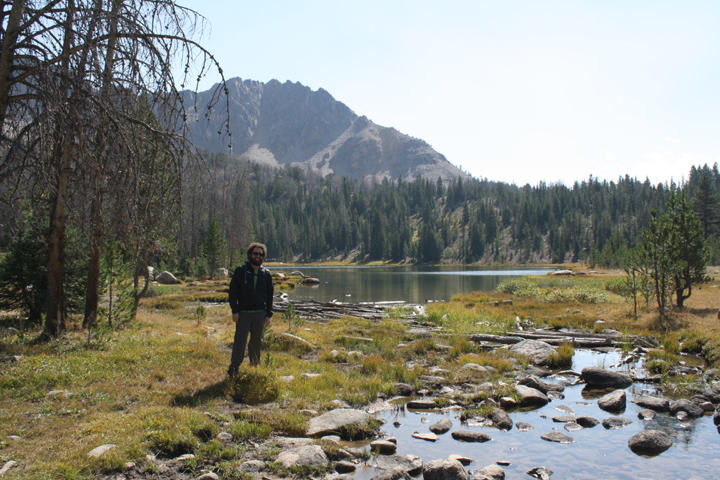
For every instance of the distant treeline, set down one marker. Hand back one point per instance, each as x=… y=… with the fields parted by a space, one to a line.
x=303 y=217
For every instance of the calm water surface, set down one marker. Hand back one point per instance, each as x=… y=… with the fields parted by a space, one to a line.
x=596 y=453
x=413 y=284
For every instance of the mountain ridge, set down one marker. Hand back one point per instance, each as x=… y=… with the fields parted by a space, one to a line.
x=288 y=123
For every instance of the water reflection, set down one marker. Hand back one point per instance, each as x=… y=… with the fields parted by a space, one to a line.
x=413 y=284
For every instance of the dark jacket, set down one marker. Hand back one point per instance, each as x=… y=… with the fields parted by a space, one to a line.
x=247 y=295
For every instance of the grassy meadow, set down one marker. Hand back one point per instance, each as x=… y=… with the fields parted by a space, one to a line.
x=158 y=385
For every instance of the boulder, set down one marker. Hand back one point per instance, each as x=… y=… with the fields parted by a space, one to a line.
x=646 y=414
x=613 y=401
x=344 y=466
x=501 y=419
x=653 y=402
x=508 y=402
x=407 y=463
x=540 y=472
x=596 y=377
x=336 y=421
x=572 y=426
x=432 y=381
x=468 y=436
x=587 y=422
x=495 y=472
x=302 y=456
x=403 y=389
x=442 y=426
x=685 y=405
x=422 y=404
x=524 y=427
x=530 y=396
x=396 y=473
x=167 y=278
x=564 y=419
x=533 y=381
x=650 y=442
x=252 y=466
x=613 y=423
x=537 y=351
x=557 y=437
x=445 y=470
x=383 y=447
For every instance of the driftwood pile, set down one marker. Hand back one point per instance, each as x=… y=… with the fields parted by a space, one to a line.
x=577 y=339
x=311 y=309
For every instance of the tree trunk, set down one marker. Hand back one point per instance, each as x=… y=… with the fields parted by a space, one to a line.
x=92 y=294
x=7 y=55
x=54 y=319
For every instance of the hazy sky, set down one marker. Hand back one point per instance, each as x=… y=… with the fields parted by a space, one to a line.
x=516 y=91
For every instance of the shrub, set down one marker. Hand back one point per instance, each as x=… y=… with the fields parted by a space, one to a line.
x=562 y=356
x=254 y=386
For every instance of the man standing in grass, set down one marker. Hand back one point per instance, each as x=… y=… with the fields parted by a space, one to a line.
x=251 y=300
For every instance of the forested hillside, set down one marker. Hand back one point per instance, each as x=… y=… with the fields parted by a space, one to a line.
x=305 y=217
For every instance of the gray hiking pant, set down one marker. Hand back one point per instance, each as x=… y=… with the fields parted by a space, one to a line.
x=254 y=324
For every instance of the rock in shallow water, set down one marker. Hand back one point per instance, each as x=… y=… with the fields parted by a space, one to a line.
x=572 y=427
x=613 y=401
x=597 y=377
x=444 y=470
x=468 y=436
x=651 y=442
x=587 y=422
x=613 y=423
x=442 y=426
x=524 y=427
x=653 y=402
x=557 y=437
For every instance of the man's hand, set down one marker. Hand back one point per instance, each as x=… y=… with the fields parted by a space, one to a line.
x=267 y=321
x=235 y=317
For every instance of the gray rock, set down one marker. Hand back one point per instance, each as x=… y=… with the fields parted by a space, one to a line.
x=337 y=403
x=716 y=418
x=501 y=419
x=530 y=396
x=468 y=436
x=407 y=463
x=493 y=471
x=101 y=450
x=707 y=407
x=464 y=460
x=167 y=278
x=587 y=422
x=524 y=427
x=613 y=401
x=432 y=381
x=537 y=351
x=572 y=426
x=613 y=423
x=394 y=474
x=224 y=437
x=508 y=402
x=208 y=476
x=344 y=466
x=646 y=414
x=445 y=470
x=430 y=437
x=685 y=405
x=534 y=382
x=557 y=437
x=600 y=378
x=442 y=426
x=305 y=455
x=564 y=419
x=336 y=421
x=422 y=404
x=653 y=402
x=403 y=389
x=383 y=447
x=537 y=371
x=252 y=466
x=540 y=472
x=566 y=409
x=650 y=442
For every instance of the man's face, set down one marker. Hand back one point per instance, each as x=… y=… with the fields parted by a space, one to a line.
x=256 y=257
